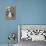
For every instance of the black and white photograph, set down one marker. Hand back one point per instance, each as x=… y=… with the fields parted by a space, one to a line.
x=10 y=13
x=31 y=34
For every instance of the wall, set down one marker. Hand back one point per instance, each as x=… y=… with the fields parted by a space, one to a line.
x=27 y=12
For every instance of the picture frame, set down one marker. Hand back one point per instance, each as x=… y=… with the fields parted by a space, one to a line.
x=10 y=12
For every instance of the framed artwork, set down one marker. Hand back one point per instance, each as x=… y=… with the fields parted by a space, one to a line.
x=10 y=12
x=29 y=33
x=32 y=32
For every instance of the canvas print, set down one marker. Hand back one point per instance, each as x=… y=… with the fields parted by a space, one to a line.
x=10 y=13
